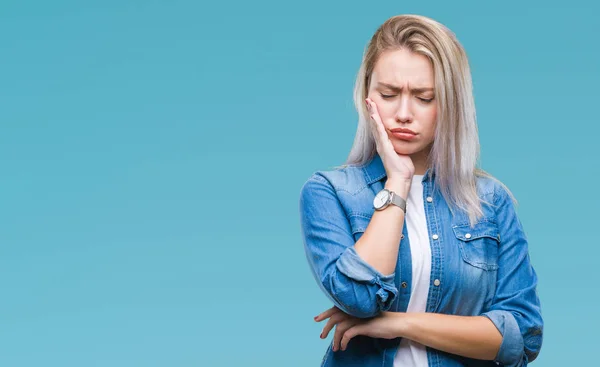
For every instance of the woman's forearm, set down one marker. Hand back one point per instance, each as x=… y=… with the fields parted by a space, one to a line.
x=379 y=245
x=469 y=336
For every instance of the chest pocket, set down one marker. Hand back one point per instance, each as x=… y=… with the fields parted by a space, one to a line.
x=479 y=244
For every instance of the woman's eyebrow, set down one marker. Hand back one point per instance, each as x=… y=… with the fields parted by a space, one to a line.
x=398 y=89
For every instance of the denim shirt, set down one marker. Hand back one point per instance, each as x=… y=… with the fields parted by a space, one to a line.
x=482 y=270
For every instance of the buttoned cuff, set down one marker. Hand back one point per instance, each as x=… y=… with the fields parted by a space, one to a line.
x=353 y=266
x=512 y=347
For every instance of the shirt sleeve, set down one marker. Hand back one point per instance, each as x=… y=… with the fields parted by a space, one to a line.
x=515 y=309
x=351 y=284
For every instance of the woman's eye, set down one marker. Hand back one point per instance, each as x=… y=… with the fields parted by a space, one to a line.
x=388 y=96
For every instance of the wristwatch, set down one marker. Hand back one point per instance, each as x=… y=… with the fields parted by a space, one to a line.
x=386 y=197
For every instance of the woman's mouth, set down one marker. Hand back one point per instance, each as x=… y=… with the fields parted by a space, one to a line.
x=403 y=134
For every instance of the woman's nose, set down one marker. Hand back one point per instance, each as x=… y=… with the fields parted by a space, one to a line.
x=403 y=113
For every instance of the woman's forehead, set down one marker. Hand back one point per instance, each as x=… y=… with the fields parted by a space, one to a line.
x=401 y=67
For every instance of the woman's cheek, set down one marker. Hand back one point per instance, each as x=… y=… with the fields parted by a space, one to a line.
x=385 y=111
x=428 y=114
x=433 y=111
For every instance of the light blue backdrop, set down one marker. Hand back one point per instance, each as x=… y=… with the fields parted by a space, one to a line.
x=152 y=154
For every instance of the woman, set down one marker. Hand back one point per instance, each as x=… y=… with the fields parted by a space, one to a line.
x=421 y=252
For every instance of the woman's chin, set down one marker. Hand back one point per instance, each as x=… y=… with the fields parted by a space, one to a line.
x=403 y=149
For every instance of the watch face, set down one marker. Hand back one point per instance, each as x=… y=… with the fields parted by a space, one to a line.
x=381 y=199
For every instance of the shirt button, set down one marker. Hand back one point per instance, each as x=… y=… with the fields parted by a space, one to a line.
x=429 y=199
x=404 y=284
x=436 y=282
x=468 y=235
x=435 y=236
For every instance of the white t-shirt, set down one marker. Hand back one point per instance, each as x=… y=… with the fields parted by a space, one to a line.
x=410 y=353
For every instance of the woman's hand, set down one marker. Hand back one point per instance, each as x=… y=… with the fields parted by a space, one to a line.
x=399 y=167
x=385 y=325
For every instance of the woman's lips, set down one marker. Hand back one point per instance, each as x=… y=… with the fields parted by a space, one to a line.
x=404 y=134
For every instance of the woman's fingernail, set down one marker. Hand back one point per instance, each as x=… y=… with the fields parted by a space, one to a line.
x=316 y=317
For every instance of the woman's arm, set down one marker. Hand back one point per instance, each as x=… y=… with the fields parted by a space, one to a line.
x=510 y=331
x=469 y=336
x=358 y=276
x=379 y=245
x=515 y=308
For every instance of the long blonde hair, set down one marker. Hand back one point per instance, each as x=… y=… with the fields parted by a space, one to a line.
x=455 y=150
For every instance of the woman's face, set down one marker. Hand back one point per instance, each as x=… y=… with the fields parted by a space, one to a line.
x=402 y=85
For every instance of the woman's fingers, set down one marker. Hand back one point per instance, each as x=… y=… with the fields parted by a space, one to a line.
x=340 y=329
x=326 y=314
x=375 y=118
x=342 y=322
x=333 y=320
x=378 y=129
x=350 y=333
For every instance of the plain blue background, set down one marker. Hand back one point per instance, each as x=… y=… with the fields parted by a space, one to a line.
x=152 y=155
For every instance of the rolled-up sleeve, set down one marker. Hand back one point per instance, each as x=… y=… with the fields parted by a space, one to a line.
x=515 y=310
x=351 y=284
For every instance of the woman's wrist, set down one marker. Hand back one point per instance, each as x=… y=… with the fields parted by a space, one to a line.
x=401 y=324
x=398 y=186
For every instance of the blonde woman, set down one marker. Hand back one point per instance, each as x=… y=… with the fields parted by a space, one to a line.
x=420 y=251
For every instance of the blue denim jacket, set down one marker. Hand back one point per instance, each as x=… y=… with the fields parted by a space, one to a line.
x=481 y=270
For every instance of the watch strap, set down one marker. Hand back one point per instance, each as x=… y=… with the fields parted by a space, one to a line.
x=398 y=201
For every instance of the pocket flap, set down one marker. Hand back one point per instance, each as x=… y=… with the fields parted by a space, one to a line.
x=465 y=232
